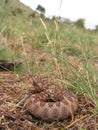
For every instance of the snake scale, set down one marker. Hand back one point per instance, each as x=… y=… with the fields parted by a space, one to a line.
x=50 y=104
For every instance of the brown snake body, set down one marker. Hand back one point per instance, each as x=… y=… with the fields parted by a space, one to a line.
x=50 y=104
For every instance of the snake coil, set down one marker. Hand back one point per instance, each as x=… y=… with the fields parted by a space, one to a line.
x=48 y=103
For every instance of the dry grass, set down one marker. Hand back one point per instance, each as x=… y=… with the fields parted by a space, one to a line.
x=13 y=87
x=66 y=56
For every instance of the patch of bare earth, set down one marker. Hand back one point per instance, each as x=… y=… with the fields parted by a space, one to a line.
x=13 y=89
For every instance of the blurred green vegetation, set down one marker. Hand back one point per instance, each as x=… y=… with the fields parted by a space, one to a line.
x=45 y=45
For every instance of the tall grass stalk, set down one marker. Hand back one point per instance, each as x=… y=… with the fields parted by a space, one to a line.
x=25 y=55
x=53 y=43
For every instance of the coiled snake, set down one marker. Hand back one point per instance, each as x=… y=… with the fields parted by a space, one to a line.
x=48 y=103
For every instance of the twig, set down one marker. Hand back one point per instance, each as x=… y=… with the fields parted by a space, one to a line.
x=77 y=120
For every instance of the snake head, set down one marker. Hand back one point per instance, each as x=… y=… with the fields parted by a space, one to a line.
x=39 y=84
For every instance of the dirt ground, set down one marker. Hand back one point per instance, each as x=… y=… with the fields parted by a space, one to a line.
x=13 y=89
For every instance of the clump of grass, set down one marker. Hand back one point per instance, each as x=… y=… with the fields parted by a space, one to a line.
x=81 y=79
